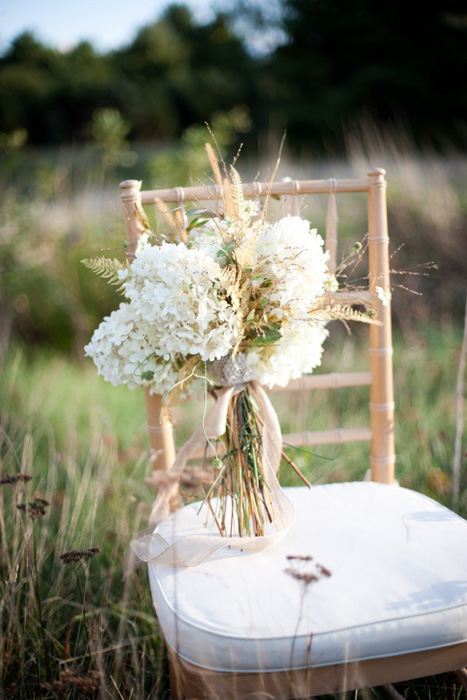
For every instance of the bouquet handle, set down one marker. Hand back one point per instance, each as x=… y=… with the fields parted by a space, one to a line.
x=194 y=549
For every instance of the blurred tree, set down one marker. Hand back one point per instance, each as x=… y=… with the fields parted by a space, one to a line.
x=184 y=163
x=223 y=74
x=85 y=83
x=182 y=73
x=397 y=61
x=108 y=131
x=50 y=94
x=26 y=83
x=174 y=73
x=311 y=66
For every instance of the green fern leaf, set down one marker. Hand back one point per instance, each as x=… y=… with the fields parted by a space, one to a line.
x=105 y=268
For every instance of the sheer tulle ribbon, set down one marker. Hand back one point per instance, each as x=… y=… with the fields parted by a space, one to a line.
x=191 y=550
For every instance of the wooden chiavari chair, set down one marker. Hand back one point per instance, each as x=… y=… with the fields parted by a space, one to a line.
x=395 y=606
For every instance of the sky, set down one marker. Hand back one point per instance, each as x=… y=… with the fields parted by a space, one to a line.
x=62 y=24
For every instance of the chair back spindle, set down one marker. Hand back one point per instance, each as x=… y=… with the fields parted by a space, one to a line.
x=382 y=457
x=332 y=220
x=293 y=200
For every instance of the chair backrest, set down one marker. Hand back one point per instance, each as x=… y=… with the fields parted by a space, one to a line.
x=380 y=433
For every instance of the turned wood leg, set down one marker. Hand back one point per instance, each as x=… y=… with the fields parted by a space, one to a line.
x=176 y=692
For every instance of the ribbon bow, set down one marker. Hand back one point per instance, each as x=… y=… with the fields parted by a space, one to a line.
x=194 y=549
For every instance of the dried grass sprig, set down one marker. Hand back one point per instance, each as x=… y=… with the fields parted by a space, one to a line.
x=240 y=480
x=174 y=223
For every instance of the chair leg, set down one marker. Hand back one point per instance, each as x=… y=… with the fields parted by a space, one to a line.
x=461 y=674
x=176 y=692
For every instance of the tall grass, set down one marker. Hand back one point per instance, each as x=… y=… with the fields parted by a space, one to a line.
x=71 y=627
x=75 y=629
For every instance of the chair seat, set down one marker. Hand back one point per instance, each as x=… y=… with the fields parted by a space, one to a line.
x=398 y=584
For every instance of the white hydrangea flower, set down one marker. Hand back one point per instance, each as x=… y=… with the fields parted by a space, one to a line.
x=298 y=352
x=178 y=291
x=177 y=307
x=216 y=232
x=124 y=353
x=331 y=283
x=208 y=239
x=291 y=256
x=384 y=297
x=249 y=210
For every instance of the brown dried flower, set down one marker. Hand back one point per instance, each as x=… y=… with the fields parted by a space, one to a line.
x=14 y=478
x=35 y=509
x=74 y=555
x=70 y=678
x=300 y=573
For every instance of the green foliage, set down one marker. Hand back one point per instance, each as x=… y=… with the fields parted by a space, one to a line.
x=108 y=131
x=345 y=59
x=326 y=67
x=185 y=162
x=266 y=335
x=105 y=267
x=46 y=296
x=14 y=141
x=173 y=74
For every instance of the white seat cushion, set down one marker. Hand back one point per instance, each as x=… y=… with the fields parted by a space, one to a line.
x=399 y=584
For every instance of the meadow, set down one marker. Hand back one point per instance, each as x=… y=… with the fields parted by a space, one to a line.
x=70 y=626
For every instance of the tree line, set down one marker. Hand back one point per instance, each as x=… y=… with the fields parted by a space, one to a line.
x=334 y=63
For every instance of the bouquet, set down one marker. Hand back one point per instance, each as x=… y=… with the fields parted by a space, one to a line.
x=224 y=304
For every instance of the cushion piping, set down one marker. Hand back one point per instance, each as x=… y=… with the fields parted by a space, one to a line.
x=315 y=665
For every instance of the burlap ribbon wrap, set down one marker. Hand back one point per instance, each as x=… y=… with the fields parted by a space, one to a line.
x=194 y=549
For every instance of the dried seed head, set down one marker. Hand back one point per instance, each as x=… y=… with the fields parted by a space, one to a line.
x=323 y=571
x=75 y=555
x=14 y=478
x=43 y=501
x=306 y=578
x=35 y=509
x=304 y=571
x=69 y=678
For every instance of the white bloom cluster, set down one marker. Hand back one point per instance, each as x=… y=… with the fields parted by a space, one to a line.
x=291 y=272
x=384 y=297
x=178 y=291
x=212 y=235
x=177 y=307
x=208 y=240
x=292 y=257
x=122 y=348
x=299 y=352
